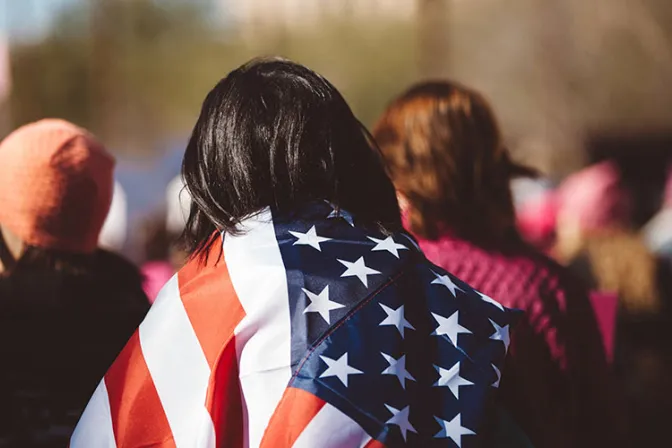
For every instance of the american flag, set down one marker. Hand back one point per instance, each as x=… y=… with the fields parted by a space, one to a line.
x=310 y=331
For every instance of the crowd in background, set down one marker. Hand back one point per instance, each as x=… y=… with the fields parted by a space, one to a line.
x=588 y=365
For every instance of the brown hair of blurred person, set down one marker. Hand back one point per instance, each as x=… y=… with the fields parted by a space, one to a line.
x=616 y=260
x=445 y=155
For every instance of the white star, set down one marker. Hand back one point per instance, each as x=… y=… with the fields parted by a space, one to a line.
x=449 y=327
x=453 y=429
x=339 y=368
x=310 y=238
x=342 y=214
x=358 y=269
x=490 y=300
x=397 y=367
x=446 y=281
x=388 y=244
x=400 y=418
x=451 y=378
x=499 y=376
x=396 y=318
x=501 y=334
x=320 y=303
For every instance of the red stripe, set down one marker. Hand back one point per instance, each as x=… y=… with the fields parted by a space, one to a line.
x=295 y=411
x=138 y=418
x=374 y=444
x=214 y=311
x=211 y=302
x=224 y=400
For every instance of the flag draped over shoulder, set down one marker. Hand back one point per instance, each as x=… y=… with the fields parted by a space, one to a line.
x=309 y=331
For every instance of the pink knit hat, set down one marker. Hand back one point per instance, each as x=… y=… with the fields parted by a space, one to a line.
x=595 y=197
x=55 y=186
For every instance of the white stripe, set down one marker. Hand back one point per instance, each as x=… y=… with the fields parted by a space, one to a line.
x=95 y=425
x=178 y=367
x=263 y=337
x=331 y=428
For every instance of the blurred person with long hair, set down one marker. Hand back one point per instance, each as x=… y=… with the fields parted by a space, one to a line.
x=66 y=307
x=597 y=240
x=445 y=155
x=305 y=316
x=595 y=237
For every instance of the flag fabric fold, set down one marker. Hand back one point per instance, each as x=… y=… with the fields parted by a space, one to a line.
x=309 y=330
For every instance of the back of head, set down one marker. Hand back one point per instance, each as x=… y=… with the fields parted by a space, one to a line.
x=275 y=134
x=444 y=152
x=55 y=186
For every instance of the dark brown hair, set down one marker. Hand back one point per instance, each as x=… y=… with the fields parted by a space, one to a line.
x=444 y=153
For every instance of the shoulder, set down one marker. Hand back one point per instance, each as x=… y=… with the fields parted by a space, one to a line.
x=501 y=269
x=118 y=271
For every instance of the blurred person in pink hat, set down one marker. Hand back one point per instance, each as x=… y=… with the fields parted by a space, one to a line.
x=598 y=242
x=66 y=307
x=595 y=237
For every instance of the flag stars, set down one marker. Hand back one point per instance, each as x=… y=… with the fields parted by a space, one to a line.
x=490 y=300
x=320 y=303
x=335 y=213
x=449 y=327
x=499 y=376
x=388 y=244
x=310 y=238
x=446 y=281
x=400 y=418
x=451 y=378
x=501 y=334
x=453 y=429
x=397 y=367
x=358 y=269
x=395 y=318
x=339 y=368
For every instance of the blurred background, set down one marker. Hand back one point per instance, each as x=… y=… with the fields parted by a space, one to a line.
x=573 y=81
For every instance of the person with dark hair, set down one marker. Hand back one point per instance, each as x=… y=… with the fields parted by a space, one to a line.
x=445 y=155
x=66 y=307
x=305 y=316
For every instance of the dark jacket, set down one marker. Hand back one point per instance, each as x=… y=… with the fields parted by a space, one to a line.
x=58 y=335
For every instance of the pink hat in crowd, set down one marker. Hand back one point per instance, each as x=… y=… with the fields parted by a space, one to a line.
x=55 y=186
x=156 y=274
x=595 y=197
x=534 y=201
